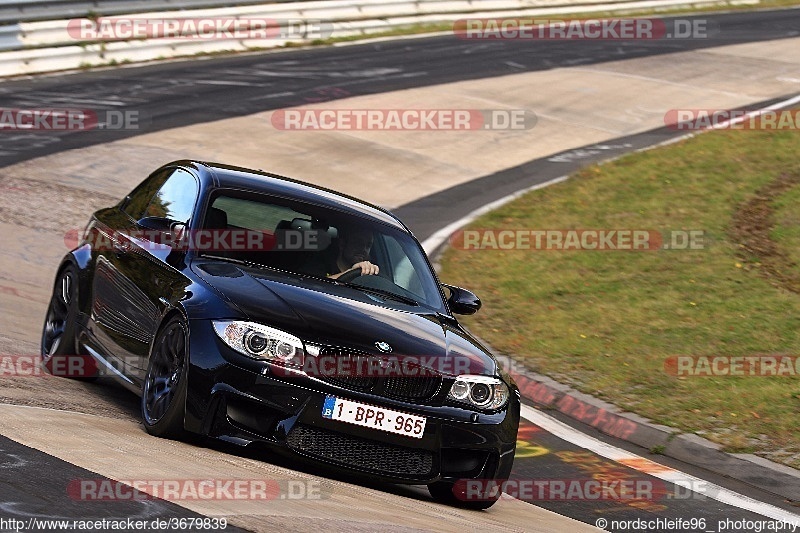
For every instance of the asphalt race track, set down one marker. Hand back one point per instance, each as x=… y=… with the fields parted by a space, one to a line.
x=180 y=93
x=172 y=94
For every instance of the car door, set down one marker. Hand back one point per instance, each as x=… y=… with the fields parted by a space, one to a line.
x=135 y=278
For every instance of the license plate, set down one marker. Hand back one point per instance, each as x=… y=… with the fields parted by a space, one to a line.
x=373 y=417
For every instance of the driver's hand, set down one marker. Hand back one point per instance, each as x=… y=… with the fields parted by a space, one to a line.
x=367 y=268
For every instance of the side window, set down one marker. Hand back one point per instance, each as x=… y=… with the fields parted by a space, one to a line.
x=403 y=273
x=141 y=195
x=250 y=214
x=175 y=199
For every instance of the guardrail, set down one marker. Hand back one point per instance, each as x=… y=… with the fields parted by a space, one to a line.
x=10 y=37
x=33 y=47
x=33 y=10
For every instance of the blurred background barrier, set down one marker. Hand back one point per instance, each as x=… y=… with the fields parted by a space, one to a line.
x=43 y=35
x=32 y=10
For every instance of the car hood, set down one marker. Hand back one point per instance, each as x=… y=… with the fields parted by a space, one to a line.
x=324 y=313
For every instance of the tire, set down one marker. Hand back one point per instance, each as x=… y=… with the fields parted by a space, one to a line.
x=454 y=494
x=59 y=333
x=164 y=389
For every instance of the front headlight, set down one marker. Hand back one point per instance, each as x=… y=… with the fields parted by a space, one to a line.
x=261 y=342
x=483 y=392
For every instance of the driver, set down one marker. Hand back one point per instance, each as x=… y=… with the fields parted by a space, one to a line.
x=354 y=247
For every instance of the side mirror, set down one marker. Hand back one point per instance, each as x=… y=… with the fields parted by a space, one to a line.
x=462 y=301
x=169 y=231
x=155 y=223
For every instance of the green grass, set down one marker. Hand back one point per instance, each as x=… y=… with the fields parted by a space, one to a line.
x=786 y=232
x=605 y=322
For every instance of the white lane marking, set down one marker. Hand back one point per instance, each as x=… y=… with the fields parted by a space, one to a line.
x=600 y=448
x=435 y=240
x=725 y=124
x=223 y=82
x=274 y=95
x=671 y=475
x=18 y=461
x=67 y=99
x=758 y=112
x=392 y=38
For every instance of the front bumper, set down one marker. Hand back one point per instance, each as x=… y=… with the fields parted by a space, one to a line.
x=233 y=398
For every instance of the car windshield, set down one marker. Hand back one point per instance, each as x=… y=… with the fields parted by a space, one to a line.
x=315 y=241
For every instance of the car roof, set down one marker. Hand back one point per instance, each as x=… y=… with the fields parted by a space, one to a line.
x=227 y=176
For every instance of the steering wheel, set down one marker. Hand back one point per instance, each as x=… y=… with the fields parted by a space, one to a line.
x=350 y=275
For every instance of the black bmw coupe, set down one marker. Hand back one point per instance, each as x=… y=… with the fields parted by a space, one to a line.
x=253 y=308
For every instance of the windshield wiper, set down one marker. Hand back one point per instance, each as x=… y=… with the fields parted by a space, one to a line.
x=380 y=292
x=237 y=261
x=386 y=294
x=223 y=258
